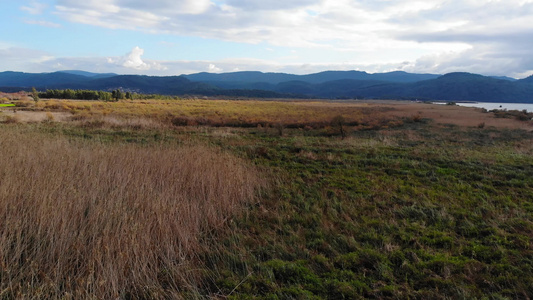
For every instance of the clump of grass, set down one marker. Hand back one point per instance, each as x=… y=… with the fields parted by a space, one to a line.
x=108 y=221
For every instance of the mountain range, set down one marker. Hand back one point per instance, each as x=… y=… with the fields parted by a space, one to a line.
x=328 y=85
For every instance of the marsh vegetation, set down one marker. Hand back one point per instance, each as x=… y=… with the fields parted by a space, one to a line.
x=265 y=200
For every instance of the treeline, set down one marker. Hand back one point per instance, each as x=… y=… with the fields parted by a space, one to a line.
x=115 y=95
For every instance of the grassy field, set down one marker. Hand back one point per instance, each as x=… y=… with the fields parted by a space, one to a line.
x=265 y=200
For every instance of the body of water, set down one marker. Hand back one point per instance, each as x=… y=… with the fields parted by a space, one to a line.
x=508 y=106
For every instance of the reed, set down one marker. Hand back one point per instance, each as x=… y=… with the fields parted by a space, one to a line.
x=107 y=221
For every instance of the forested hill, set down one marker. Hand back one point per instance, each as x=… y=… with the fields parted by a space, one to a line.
x=276 y=78
x=329 y=85
x=165 y=85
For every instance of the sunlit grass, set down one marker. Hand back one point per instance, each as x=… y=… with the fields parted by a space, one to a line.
x=225 y=112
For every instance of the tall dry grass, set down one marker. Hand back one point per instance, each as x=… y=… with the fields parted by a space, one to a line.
x=88 y=220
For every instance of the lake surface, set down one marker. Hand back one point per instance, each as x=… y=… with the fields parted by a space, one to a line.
x=508 y=106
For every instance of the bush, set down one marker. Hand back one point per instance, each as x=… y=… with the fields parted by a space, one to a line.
x=25 y=102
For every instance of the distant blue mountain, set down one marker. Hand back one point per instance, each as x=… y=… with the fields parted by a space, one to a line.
x=89 y=74
x=245 y=78
x=504 y=78
x=19 y=79
x=329 y=84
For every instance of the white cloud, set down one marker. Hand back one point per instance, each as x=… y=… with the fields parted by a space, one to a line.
x=134 y=61
x=165 y=6
x=254 y=5
x=484 y=36
x=212 y=68
x=35 y=8
x=303 y=23
x=19 y=59
x=22 y=59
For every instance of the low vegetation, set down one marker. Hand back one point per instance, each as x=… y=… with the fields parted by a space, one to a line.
x=226 y=113
x=359 y=202
x=411 y=213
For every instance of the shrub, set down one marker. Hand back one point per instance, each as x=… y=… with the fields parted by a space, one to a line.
x=25 y=102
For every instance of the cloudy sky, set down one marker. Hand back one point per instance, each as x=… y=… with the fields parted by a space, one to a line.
x=173 y=37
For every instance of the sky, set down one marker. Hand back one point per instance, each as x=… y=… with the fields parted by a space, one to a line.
x=174 y=37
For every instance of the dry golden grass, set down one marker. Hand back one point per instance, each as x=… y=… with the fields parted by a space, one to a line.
x=374 y=114
x=221 y=112
x=91 y=220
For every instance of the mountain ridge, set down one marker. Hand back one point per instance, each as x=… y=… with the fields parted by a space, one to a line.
x=457 y=86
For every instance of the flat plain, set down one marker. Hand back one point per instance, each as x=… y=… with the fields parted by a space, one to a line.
x=157 y=199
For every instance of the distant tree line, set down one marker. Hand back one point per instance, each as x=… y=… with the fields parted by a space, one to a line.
x=119 y=94
x=77 y=94
x=114 y=95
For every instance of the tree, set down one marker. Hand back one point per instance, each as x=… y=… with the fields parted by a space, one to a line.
x=34 y=94
x=69 y=94
x=117 y=94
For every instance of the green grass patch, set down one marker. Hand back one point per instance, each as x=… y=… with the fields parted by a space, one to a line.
x=447 y=217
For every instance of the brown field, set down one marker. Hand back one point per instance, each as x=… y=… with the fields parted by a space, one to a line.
x=317 y=114
x=89 y=220
x=439 y=114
